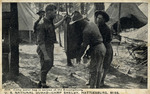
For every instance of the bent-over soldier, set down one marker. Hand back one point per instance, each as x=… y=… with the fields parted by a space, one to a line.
x=92 y=37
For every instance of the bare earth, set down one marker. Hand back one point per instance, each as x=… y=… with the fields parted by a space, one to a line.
x=124 y=72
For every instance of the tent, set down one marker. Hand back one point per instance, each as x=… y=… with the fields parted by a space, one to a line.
x=138 y=34
x=90 y=13
x=141 y=33
x=26 y=16
x=129 y=13
x=144 y=8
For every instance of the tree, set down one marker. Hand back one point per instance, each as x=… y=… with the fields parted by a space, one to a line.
x=99 y=6
x=82 y=8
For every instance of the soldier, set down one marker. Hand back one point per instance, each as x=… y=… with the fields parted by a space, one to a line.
x=92 y=37
x=101 y=19
x=41 y=14
x=46 y=38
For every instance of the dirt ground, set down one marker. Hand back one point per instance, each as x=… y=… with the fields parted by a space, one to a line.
x=124 y=72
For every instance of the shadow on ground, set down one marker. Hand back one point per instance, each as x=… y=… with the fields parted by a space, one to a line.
x=25 y=82
x=121 y=80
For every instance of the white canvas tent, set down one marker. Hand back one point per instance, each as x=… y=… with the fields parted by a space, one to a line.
x=144 y=8
x=26 y=16
x=128 y=13
x=141 y=33
x=138 y=34
x=90 y=13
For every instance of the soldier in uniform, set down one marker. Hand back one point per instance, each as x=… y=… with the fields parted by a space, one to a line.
x=92 y=37
x=101 y=19
x=41 y=14
x=46 y=38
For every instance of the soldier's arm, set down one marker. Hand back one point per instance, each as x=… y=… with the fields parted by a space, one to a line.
x=109 y=35
x=59 y=23
x=86 y=40
x=41 y=42
x=82 y=49
x=36 y=23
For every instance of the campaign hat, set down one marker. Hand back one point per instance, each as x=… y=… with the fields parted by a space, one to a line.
x=103 y=13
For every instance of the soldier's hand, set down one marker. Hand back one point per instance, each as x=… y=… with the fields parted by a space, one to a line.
x=46 y=58
x=78 y=60
x=67 y=18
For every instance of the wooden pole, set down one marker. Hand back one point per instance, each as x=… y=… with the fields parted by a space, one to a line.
x=67 y=52
x=82 y=8
x=41 y=6
x=67 y=26
x=30 y=36
x=5 y=43
x=99 y=6
x=119 y=26
x=14 y=41
x=86 y=8
x=59 y=28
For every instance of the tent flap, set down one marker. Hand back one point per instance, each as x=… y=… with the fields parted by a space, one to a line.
x=26 y=16
x=130 y=15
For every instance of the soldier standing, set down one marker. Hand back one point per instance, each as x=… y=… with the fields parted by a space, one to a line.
x=101 y=19
x=41 y=14
x=46 y=37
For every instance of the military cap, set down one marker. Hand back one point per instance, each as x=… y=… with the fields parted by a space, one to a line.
x=76 y=16
x=50 y=7
x=39 y=12
x=103 y=13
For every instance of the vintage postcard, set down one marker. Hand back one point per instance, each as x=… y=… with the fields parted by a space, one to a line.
x=74 y=47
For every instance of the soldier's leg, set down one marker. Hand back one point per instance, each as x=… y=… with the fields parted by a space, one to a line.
x=106 y=67
x=93 y=70
x=47 y=65
x=107 y=61
x=69 y=63
x=104 y=75
x=100 y=54
x=100 y=70
x=93 y=79
x=41 y=63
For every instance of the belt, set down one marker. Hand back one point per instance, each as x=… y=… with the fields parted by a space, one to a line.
x=97 y=43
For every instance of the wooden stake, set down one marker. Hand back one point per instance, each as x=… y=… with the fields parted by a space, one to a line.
x=14 y=41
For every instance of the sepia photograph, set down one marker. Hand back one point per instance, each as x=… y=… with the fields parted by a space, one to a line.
x=88 y=45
